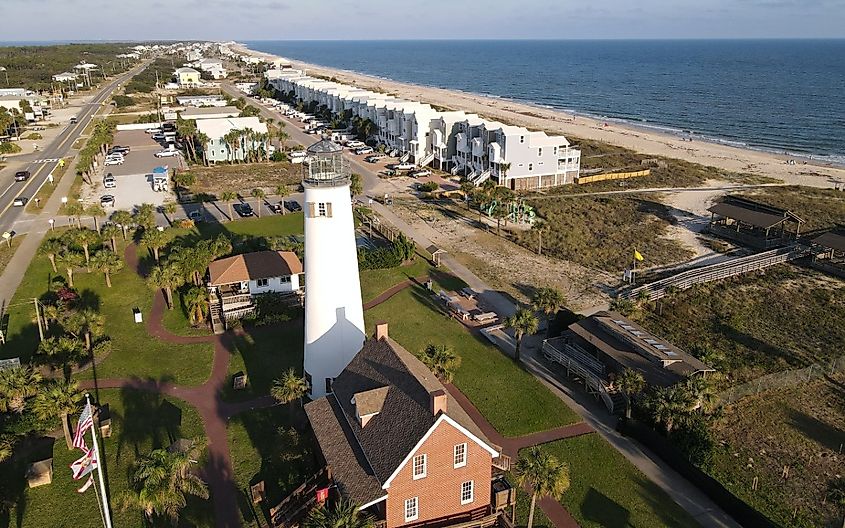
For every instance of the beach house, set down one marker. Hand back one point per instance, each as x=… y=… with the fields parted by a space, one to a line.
x=234 y=282
x=397 y=444
x=221 y=146
x=187 y=77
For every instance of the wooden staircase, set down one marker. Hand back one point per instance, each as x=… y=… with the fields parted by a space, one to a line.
x=215 y=304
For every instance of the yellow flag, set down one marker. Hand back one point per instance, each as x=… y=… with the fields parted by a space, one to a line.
x=61 y=163
x=637 y=255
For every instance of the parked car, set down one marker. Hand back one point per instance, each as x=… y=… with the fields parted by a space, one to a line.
x=22 y=175
x=73 y=120
x=292 y=206
x=354 y=144
x=166 y=153
x=402 y=166
x=276 y=207
x=419 y=173
x=20 y=201
x=375 y=158
x=107 y=200
x=114 y=161
x=158 y=137
x=196 y=216
x=121 y=149
x=244 y=209
x=109 y=182
x=153 y=131
x=364 y=150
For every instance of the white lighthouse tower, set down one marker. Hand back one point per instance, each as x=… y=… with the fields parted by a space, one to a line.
x=334 y=315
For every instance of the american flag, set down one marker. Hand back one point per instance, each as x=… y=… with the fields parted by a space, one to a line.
x=86 y=421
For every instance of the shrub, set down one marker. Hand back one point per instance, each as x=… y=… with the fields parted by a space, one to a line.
x=102 y=348
x=122 y=101
x=34 y=135
x=429 y=186
x=9 y=148
x=278 y=155
x=380 y=258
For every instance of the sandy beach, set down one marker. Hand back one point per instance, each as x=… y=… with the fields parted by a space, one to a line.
x=553 y=121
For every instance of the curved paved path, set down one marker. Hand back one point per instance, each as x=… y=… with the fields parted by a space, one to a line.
x=393 y=290
x=205 y=398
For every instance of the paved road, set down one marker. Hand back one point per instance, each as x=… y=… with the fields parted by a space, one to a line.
x=60 y=147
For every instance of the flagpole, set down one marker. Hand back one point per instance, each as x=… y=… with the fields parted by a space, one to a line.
x=99 y=504
x=100 y=463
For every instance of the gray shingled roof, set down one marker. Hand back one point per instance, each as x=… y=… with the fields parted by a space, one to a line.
x=391 y=434
x=350 y=469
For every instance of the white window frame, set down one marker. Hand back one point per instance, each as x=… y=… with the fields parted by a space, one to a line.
x=412 y=505
x=424 y=466
x=463 y=454
x=468 y=486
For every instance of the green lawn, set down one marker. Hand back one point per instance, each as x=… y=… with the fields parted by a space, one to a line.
x=374 y=282
x=607 y=491
x=283 y=460
x=509 y=397
x=176 y=320
x=141 y=421
x=264 y=353
x=134 y=352
x=275 y=225
x=6 y=252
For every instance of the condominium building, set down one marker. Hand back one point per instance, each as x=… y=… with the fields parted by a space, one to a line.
x=465 y=144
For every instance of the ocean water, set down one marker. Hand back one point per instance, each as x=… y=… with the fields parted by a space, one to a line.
x=779 y=95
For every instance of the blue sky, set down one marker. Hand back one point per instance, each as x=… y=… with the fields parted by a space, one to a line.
x=383 y=19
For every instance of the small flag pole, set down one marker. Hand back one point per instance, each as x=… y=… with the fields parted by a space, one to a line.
x=99 y=505
x=100 y=463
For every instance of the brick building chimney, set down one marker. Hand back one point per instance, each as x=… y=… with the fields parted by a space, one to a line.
x=438 y=400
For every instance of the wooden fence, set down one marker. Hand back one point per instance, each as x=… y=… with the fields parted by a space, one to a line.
x=613 y=176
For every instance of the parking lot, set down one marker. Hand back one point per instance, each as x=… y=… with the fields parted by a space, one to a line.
x=133 y=178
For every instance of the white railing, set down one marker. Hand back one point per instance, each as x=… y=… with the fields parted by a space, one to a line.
x=572 y=365
x=427 y=160
x=481 y=178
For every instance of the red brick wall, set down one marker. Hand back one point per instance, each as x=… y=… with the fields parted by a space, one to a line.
x=439 y=491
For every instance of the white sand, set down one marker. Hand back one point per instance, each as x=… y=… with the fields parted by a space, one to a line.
x=552 y=121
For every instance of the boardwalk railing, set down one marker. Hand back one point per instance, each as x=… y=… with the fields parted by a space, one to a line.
x=576 y=362
x=722 y=270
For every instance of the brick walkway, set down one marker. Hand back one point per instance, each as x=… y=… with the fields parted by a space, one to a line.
x=205 y=398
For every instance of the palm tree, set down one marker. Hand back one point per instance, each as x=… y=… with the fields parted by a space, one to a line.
x=538 y=227
x=228 y=196
x=70 y=260
x=109 y=232
x=196 y=300
x=155 y=240
x=544 y=474
x=84 y=238
x=51 y=248
x=169 y=210
x=61 y=350
x=344 y=514
x=289 y=387
x=16 y=385
x=162 y=480
x=7 y=447
x=88 y=323
x=282 y=191
x=356 y=186
x=75 y=209
x=95 y=211
x=123 y=219
x=145 y=216
x=703 y=393
x=630 y=382
x=58 y=400
x=442 y=360
x=548 y=301
x=669 y=405
x=107 y=262
x=259 y=195
x=165 y=277
x=522 y=322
